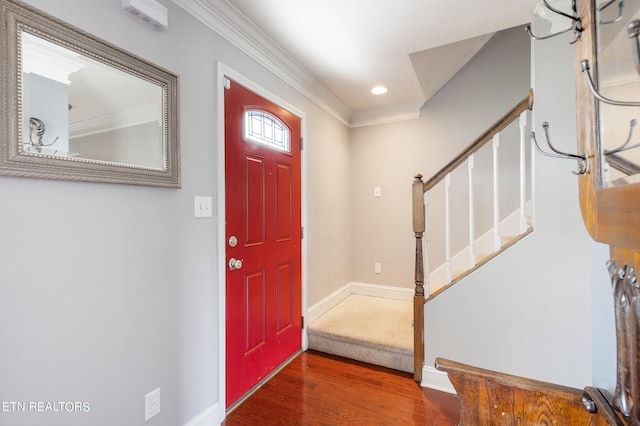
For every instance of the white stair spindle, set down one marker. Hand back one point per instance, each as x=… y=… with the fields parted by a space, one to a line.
x=532 y=183
x=425 y=241
x=447 y=227
x=472 y=236
x=496 y=194
x=523 y=173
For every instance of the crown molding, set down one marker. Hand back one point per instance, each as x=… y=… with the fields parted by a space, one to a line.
x=48 y=59
x=389 y=114
x=234 y=27
x=119 y=120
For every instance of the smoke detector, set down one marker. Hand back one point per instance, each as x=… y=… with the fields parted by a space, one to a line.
x=150 y=12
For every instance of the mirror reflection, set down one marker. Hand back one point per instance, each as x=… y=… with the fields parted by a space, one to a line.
x=618 y=78
x=550 y=18
x=74 y=106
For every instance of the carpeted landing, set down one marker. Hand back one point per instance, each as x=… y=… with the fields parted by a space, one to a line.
x=369 y=329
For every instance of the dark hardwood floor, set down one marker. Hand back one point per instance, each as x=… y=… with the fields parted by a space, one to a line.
x=321 y=389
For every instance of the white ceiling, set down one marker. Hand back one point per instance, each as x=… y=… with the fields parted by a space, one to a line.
x=411 y=46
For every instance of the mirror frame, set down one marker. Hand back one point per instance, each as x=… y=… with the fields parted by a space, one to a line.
x=16 y=17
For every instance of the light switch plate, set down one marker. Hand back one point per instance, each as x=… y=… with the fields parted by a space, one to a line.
x=203 y=206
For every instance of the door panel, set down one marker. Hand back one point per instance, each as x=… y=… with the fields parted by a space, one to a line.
x=285 y=301
x=283 y=203
x=263 y=211
x=254 y=189
x=255 y=311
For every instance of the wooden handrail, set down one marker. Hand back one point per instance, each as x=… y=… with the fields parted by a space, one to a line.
x=498 y=126
x=419 y=224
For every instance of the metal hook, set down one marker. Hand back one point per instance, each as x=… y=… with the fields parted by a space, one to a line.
x=584 y=67
x=583 y=164
x=633 y=30
x=576 y=24
x=624 y=146
x=606 y=5
x=36 y=132
x=620 y=10
x=535 y=37
x=559 y=12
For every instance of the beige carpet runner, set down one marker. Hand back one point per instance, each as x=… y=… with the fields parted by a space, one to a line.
x=368 y=329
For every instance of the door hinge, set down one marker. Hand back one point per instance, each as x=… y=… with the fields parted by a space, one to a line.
x=301 y=143
x=302 y=323
x=302 y=232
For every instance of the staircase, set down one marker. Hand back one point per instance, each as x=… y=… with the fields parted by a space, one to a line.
x=381 y=331
x=488 y=234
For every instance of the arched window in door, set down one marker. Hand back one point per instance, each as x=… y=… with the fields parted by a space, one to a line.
x=266 y=129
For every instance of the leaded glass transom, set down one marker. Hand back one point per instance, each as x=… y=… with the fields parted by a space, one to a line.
x=266 y=129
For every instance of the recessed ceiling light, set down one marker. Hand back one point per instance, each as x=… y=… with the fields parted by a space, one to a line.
x=379 y=90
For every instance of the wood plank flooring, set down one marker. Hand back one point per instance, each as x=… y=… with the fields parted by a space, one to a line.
x=321 y=389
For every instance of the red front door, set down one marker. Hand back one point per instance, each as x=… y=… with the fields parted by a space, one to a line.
x=263 y=222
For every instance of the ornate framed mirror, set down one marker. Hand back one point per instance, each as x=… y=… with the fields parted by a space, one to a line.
x=75 y=107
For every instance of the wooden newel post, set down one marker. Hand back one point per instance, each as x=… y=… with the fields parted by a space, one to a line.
x=419 y=229
x=418 y=297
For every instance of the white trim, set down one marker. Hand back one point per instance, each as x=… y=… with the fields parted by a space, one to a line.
x=213 y=415
x=385 y=291
x=223 y=71
x=234 y=27
x=119 y=120
x=322 y=307
x=436 y=380
x=228 y=22
x=221 y=233
x=390 y=114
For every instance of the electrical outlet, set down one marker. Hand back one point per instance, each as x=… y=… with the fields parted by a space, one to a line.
x=377 y=268
x=151 y=404
x=377 y=192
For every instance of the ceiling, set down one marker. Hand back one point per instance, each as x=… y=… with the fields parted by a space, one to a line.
x=413 y=47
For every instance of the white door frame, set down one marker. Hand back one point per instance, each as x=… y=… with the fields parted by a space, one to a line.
x=223 y=71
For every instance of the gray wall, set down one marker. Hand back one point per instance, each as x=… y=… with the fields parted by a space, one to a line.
x=390 y=155
x=108 y=292
x=529 y=312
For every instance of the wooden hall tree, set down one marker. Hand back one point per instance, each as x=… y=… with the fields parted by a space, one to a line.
x=611 y=211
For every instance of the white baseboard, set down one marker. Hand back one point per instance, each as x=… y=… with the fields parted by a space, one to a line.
x=212 y=416
x=322 y=307
x=385 y=291
x=436 y=380
x=397 y=293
